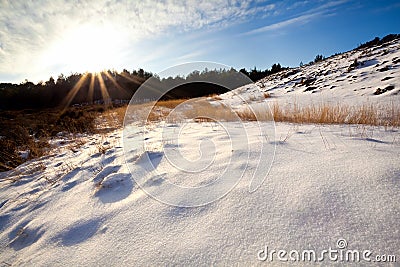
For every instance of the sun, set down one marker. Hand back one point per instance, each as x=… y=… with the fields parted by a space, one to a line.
x=87 y=48
x=90 y=50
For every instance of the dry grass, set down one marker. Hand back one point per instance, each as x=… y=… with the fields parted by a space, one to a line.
x=76 y=144
x=18 y=138
x=258 y=114
x=114 y=118
x=366 y=114
x=216 y=97
x=198 y=109
x=159 y=110
x=201 y=110
x=158 y=114
x=173 y=103
x=31 y=130
x=162 y=109
x=102 y=149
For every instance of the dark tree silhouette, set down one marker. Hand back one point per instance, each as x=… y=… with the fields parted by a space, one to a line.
x=318 y=58
x=378 y=41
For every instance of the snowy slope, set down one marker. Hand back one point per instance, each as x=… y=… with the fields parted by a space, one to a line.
x=326 y=183
x=333 y=80
x=83 y=204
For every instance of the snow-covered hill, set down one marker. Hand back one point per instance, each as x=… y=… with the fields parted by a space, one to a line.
x=355 y=77
x=329 y=187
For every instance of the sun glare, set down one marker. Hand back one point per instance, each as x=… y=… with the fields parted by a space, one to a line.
x=88 y=48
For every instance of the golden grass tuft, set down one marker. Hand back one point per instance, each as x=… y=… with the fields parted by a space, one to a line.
x=200 y=110
x=114 y=117
x=367 y=114
x=216 y=97
x=172 y=103
x=259 y=113
x=266 y=95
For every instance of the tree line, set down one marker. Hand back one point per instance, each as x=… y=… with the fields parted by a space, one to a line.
x=53 y=93
x=256 y=75
x=378 y=41
x=111 y=85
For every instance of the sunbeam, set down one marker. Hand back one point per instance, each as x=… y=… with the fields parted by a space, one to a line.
x=114 y=82
x=103 y=90
x=123 y=74
x=71 y=94
x=91 y=88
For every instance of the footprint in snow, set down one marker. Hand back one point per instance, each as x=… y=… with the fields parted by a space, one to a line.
x=58 y=164
x=78 y=232
x=105 y=172
x=3 y=203
x=4 y=219
x=71 y=174
x=154 y=181
x=23 y=235
x=21 y=206
x=69 y=186
x=109 y=160
x=115 y=187
x=149 y=160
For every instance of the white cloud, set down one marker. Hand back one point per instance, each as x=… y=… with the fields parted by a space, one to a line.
x=2 y=49
x=27 y=28
x=189 y=56
x=298 y=4
x=306 y=17
x=276 y=26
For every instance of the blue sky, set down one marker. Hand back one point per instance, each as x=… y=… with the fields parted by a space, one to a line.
x=44 y=38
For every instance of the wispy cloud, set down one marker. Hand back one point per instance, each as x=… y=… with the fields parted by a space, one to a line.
x=302 y=18
x=1 y=49
x=298 y=4
x=276 y=26
x=28 y=27
x=154 y=30
x=190 y=56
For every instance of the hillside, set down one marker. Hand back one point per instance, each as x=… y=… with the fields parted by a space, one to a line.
x=359 y=76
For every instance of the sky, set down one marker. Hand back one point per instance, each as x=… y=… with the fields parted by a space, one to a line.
x=44 y=38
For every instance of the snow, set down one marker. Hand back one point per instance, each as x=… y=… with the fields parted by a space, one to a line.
x=24 y=154
x=208 y=193
x=326 y=182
